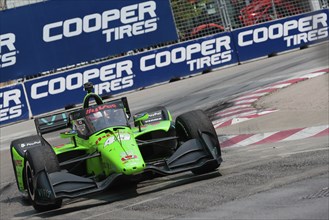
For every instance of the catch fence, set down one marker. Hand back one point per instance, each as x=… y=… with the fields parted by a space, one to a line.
x=199 y=18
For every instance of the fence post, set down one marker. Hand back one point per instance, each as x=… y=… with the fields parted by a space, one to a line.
x=274 y=10
x=315 y=5
x=324 y=3
x=225 y=15
x=3 y=4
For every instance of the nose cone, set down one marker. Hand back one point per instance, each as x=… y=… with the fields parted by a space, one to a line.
x=133 y=168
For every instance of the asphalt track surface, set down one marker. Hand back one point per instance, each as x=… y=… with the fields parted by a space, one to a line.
x=285 y=181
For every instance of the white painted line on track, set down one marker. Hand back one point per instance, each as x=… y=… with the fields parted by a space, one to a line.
x=251 y=96
x=253 y=139
x=312 y=75
x=248 y=101
x=243 y=140
x=306 y=133
x=235 y=111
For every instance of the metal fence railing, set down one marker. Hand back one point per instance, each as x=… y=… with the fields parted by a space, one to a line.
x=198 y=18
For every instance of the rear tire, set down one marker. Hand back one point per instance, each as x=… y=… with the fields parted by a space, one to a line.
x=36 y=160
x=20 y=146
x=187 y=126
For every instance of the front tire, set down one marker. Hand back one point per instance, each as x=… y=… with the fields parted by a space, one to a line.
x=37 y=159
x=187 y=126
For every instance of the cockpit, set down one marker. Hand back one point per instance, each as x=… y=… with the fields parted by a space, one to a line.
x=96 y=118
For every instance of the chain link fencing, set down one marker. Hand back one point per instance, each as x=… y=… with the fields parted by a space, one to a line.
x=7 y=4
x=198 y=18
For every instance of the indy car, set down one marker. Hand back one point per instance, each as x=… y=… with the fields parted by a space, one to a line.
x=103 y=148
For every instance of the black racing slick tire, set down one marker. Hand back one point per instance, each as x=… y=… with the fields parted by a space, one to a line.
x=20 y=146
x=37 y=159
x=187 y=126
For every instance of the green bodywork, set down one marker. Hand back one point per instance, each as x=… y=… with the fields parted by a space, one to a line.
x=118 y=149
x=117 y=146
x=18 y=163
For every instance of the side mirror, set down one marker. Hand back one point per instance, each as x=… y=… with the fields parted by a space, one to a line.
x=139 y=118
x=68 y=134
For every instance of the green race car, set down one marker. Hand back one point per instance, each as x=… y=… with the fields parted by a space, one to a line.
x=102 y=148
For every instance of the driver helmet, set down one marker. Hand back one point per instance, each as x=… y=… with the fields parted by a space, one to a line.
x=95 y=116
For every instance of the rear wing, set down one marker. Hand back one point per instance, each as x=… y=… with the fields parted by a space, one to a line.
x=55 y=122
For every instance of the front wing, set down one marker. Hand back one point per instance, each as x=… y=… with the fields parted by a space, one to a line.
x=193 y=154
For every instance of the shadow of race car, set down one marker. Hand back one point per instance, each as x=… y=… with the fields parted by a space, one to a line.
x=103 y=149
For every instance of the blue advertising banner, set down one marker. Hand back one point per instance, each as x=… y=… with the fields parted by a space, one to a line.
x=13 y=105
x=281 y=35
x=55 y=34
x=132 y=72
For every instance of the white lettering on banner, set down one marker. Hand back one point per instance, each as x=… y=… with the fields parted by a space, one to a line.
x=7 y=50
x=132 y=16
x=10 y=104
x=114 y=77
x=214 y=52
x=311 y=28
